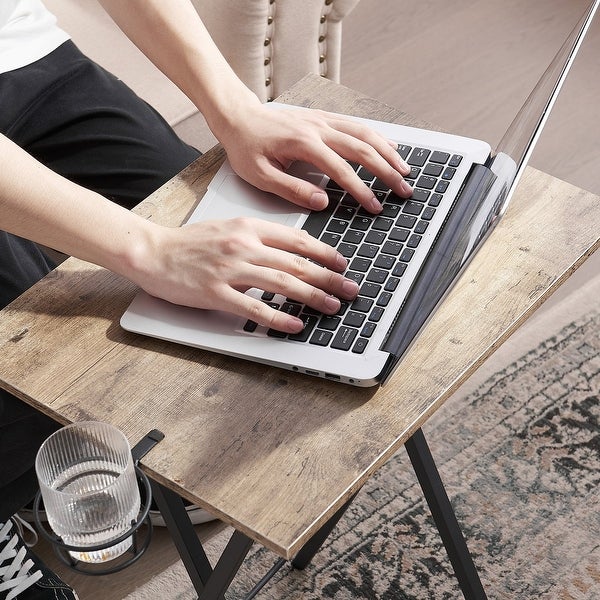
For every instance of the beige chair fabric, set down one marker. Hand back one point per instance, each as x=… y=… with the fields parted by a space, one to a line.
x=273 y=43
x=269 y=43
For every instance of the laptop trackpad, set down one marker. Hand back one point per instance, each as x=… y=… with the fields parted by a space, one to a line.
x=230 y=196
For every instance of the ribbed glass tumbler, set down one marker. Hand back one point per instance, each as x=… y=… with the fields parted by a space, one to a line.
x=89 y=488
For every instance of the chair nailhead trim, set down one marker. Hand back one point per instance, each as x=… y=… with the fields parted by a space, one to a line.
x=322 y=41
x=268 y=47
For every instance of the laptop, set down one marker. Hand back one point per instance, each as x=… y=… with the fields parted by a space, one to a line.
x=405 y=259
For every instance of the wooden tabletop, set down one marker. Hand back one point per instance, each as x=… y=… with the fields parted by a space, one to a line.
x=272 y=452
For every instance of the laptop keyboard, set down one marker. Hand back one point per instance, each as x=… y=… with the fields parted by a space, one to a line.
x=378 y=248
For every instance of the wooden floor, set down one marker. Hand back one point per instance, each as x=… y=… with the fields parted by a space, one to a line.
x=465 y=66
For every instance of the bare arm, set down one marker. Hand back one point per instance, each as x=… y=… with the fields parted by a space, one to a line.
x=196 y=265
x=260 y=143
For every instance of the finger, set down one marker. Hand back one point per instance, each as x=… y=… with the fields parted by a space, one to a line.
x=260 y=312
x=297 y=242
x=381 y=162
x=300 y=279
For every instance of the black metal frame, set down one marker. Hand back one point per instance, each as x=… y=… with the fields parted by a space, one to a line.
x=212 y=583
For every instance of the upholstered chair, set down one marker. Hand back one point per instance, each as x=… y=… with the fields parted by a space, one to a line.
x=270 y=44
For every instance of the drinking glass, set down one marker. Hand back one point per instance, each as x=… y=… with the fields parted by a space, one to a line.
x=89 y=488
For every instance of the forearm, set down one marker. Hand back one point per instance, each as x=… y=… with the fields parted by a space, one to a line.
x=173 y=37
x=38 y=204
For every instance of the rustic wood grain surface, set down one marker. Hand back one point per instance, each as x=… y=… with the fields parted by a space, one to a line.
x=272 y=452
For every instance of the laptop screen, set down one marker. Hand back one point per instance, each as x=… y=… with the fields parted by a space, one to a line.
x=482 y=201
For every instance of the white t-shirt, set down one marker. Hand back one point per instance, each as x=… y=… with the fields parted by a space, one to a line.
x=28 y=32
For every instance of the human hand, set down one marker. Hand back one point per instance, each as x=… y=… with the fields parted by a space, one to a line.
x=264 y=142
x=211 y=264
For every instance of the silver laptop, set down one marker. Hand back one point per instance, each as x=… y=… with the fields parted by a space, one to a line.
x=405 y=259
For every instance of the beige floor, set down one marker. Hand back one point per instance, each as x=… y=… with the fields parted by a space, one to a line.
x=466 y=66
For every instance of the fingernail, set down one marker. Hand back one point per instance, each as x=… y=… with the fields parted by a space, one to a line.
x=349 y=288
x=406 y=188
x=375 y=205
x=340 y=262
x=318 y=201
x=332 y=303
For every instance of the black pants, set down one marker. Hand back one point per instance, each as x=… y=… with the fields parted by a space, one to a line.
x=85 y=124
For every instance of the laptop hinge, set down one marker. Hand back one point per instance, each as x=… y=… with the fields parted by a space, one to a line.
x=455 y=244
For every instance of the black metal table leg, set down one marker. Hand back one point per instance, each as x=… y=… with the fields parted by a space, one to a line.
x=308 y=551
x=444 y=517
x=184 y=537
x=228 y=565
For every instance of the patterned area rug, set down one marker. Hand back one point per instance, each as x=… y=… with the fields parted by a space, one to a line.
x=520 y=456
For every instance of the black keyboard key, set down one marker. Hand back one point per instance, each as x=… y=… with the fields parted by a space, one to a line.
x=353 y=237
x=406 y=255
x=435 y=199
x=344 y=212
x=448 y=173
x=403 y=150
x=455 y=160
x=321 y=338
x=384 y=299
x=391 y=284
x=358 y=277
x=370 y=290
x=433 y=170
x=442 y=186
x=390 y=210
x=380 y=185
x=250 y=326
x=343 y=308
x=383 y=261
x=369 y=329
x=354 y=319
x=337 y=226
x=399 y=269
x=414 y=240
x=268 y=296
x=333 y=239
x=412 y=208
x=375 y=237
x=317 y=219
x=406 y=221
x=420 y=195
x=347 y=250
x=333 y=185
x=310 y=322
x=399 y=234
x=439 y=157
x=361 y=223
x=365 y=174
x=382 y=224
x=392 y=248
x=368 y=250
x=291 y=308
x=427 y=182
x=428 y=213
x=421 y=227
x=360 y=264
x=274 y=333
x=343 y=338
x=377 y=275
x=376 y=314
x=362 y=304
x=414 y=173
x=360 y=346
x=418 y=157
x=331 y=323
